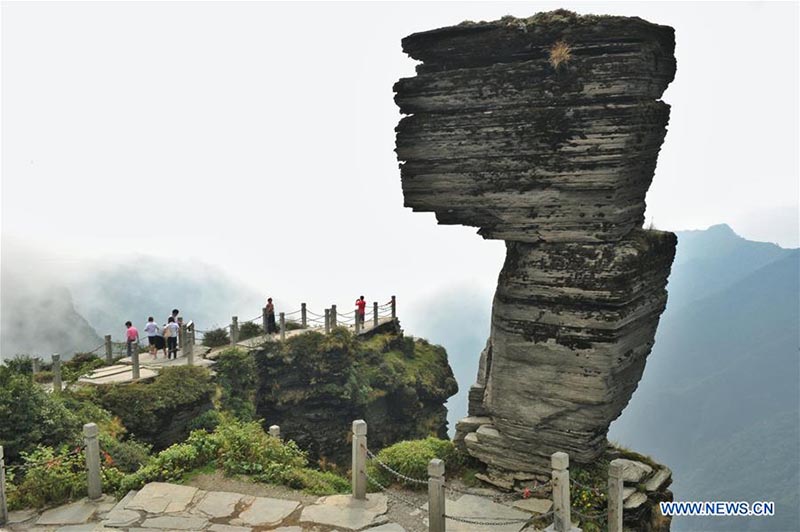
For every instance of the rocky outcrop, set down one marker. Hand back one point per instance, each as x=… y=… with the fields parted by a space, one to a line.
x=544 y=132
x=314 y=386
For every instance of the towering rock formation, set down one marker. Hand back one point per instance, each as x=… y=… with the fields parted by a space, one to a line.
x=544 y=132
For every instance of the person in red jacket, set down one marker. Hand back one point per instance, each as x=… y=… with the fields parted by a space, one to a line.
x=361 y=309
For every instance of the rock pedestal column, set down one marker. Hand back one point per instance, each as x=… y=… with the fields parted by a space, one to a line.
x=544 y=132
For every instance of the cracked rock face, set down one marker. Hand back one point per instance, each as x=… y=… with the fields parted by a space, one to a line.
x=544 y=132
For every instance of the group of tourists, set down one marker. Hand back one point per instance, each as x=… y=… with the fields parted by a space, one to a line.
x=361 y=311
x=163 y=338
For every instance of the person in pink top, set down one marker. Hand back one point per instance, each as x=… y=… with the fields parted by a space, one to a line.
x=131 y=337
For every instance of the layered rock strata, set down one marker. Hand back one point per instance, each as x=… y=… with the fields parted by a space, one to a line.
x=544 y=132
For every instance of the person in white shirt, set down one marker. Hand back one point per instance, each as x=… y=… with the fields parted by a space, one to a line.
x=153 y=333
x=171 y=334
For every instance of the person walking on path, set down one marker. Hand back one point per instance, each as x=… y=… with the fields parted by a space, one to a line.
x=271 y=327
x=131 y=338
x=152 y=331
x=171 y=335
x=361 y=309
x=175 y=317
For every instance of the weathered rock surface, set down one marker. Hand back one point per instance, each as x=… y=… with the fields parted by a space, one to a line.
x=545 y=132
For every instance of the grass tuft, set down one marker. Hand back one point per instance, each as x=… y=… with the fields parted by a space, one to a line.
x=560 y=53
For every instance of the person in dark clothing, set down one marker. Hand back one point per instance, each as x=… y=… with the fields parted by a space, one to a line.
x=271 y=327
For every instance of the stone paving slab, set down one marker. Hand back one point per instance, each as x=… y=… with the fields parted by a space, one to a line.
x=533 y=505
x=176 y=522
x=231 y=528
x=218 y=504
x=344 y=512
x=161 y=497
x=388 y=527
x=117 y=378
x=75 y=513
x=472 y=506
x=20 y=516
x=265 y=511
x=88 y=527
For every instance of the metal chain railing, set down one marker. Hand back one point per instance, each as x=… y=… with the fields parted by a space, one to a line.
x=407 y=502
x=375 y=459
x=594 y=490
x=491 y=521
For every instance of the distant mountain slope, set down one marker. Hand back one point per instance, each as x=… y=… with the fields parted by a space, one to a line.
x=720 y=401
x=153 y=287
x=41 y=320
x=710 y=260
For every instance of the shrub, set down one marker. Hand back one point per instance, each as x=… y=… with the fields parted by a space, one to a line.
x=293 y=325
x=236 y=376
x=238 y=448
x=49 y=477
x=79 y=365
x=250 y=329
x=244 y=448
x=43 y=377
x=216 y=338
x=20 y=364
x=126 y=455
x=159 y=413
x=207 y=421
x=29 y=416
x=411 y=458
x=167 y=466
x=317 y=482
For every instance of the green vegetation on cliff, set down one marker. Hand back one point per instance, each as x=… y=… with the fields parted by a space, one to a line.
x=161 y=412
x=312 y=385
x=315 y=385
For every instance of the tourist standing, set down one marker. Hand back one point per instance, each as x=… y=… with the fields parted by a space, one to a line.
x=171 y=335
x=177 y=320
x=271 y=328
x=361 y=309
x=131 y=338
x=151 y=329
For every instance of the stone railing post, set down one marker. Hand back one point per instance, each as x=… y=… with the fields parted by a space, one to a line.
x=562 y=521
x=189 y=345
x=394 y=307
x=3 y=501
x=357 y=322
x=109 y=348
x=333 y=316
x=283 y=325
x=359 y=465
x=135 y=362
x=615 y=496
x=94 y=480
x=275 y=431
x=327 y=320
x=375 y=314
x=264 y=319
x=35 y=365
x=436 y=496
x=181 y=334
x=303 y=316
x=56 y=373
x=234 y=329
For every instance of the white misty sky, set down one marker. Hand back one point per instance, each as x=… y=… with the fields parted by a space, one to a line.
x=259 y=137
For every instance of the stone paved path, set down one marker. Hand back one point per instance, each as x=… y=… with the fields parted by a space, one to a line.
x=160 y=507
